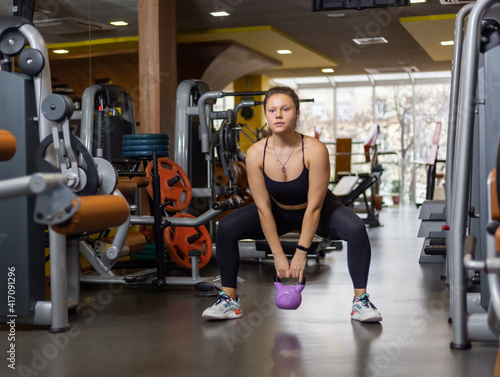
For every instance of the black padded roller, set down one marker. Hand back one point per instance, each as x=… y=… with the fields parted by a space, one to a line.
x=12 y=43
x=57 y=107
x=31 y=61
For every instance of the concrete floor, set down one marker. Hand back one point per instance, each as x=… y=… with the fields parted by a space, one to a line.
x=146 y=331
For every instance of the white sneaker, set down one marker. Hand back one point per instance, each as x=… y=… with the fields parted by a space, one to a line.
x=224 y=308
x=363 y=310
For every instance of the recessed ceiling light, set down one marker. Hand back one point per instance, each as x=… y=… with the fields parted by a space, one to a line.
x=447 y=43
x=417 y=1
x=119 y=23
x=60 y=51
x=370 y=41
x=219 y=14
x=327 y=70
x=284 y=52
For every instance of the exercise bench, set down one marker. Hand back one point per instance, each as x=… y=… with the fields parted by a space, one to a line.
x=350 y=188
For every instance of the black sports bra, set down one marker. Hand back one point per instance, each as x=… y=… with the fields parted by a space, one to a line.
x=292 y=192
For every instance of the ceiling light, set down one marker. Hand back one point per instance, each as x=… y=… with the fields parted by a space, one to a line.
x=284 y=52
x=119 y=23
x=60 y=51
x=336 y=15
x=417 y=1
x=327 y=70
x=219 y=14
x=447 y=43
x=370 y=41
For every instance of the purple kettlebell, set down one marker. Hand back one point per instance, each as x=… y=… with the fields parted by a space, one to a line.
x=288 y=296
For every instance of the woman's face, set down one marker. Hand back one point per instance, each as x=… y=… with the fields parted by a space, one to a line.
x=281 y=114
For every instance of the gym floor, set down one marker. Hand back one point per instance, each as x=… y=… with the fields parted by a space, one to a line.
x=146 y=331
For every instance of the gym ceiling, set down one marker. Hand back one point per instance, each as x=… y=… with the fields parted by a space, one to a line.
x=411 y=35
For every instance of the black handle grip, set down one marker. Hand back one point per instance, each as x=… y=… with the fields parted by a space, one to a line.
x=232 y=203
x=173 y=181
x=278 y=280
x=195 y=237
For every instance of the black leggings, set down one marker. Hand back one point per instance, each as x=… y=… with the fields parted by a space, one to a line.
x=336 y=222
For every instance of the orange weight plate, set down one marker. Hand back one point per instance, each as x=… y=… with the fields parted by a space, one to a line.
x=180 y=240
x=174 y=184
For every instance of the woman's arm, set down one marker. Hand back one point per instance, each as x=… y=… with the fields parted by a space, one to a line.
x=262 y=200
x=318 y=161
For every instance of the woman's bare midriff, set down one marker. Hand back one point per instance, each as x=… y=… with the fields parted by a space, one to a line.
x=290 y=207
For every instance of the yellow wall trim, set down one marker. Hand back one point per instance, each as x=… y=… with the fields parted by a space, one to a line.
x=428 y=18
x=94 y=42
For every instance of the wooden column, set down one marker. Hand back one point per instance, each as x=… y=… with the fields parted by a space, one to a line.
x=343 y=157
x=157 y=66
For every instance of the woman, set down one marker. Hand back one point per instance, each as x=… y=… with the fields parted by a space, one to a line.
x=288 y=175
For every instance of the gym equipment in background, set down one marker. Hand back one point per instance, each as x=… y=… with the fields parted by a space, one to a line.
x=175 y=187
x=472 y=138
x=107 y=116
x=187 y=242
x=57 y=197
x=23 y=239
x=73 y=196
x=432 y=212
x=135 y=163
x=349 y=187
x=288 y=296
x=200 y=144
x=180 y=241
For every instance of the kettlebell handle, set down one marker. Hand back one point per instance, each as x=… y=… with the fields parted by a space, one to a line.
x=278 y=280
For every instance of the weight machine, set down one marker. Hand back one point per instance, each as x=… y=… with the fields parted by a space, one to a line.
x=472 y=138
x=113 y=110
x=46 y=186
x=197 y=140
